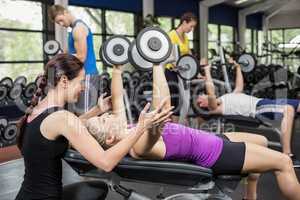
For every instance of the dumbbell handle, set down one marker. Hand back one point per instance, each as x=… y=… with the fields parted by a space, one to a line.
x=245 y=63
x=184 y=68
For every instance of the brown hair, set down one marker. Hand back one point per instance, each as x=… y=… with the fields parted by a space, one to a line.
x=61 y=64
x=188 y=17
x=55 y=10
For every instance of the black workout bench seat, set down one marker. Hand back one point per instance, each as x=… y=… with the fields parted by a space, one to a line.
x=157 y=172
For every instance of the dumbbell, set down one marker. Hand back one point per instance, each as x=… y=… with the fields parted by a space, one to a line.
x=136 y=60
x=104 y=61
x=18 y=86
x=152 y=43
x=6 y=86
x=126 y=76
x=135 y=79
x=12 y=89
x=8 y=132
x=114 y=51
x=27 y=94
x=3 y=124
x=52 y=47
x=153 y=46
x=29 y=90
x=9 y=135
x=3 y=93
x=22 y=91
x=20 y=80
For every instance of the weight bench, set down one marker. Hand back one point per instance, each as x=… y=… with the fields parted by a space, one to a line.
x=258 y=125
x=200 y=182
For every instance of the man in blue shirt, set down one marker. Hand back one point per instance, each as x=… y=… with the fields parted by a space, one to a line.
x=80 y=44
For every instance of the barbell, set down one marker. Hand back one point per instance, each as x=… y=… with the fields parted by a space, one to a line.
x=247 y=62
x=114 y=51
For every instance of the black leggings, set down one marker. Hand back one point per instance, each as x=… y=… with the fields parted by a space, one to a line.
x=232 y=158
x=86 y=190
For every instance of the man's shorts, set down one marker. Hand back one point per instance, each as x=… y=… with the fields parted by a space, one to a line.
x=274 y=108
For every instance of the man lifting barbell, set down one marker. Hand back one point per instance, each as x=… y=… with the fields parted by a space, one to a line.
x=238 y=103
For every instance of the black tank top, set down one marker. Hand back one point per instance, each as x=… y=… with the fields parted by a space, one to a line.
x=43 y=162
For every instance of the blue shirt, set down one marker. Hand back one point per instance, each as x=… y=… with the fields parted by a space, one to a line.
x=90 y=60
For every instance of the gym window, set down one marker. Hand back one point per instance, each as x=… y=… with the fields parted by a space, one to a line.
x=284 y=36
x=226 y=37
x=121 y=23
x=91 y=16
x=104 y=24
x=220 y=34
x=176 y=22
x=21 y=39
x=254 y=40
x=213 y=37
x=165 y=23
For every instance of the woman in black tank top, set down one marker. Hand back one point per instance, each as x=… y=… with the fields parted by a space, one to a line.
x=46 y=130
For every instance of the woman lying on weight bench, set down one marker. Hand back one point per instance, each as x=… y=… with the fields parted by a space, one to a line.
x=234 y=153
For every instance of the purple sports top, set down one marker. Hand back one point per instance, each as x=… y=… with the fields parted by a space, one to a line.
x=188 y=144
x=192 y=145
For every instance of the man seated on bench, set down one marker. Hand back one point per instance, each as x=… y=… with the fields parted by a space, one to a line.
x=238 y=103
x=233 y=153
